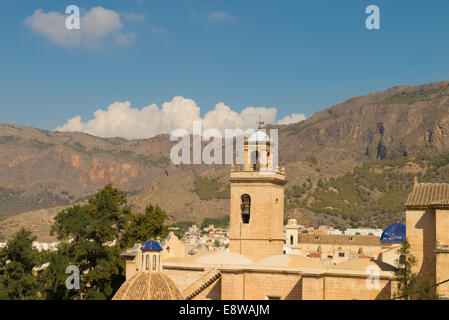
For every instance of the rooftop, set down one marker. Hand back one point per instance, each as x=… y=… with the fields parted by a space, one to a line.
x=148 y=285
x=151 y=245
x=427 y=194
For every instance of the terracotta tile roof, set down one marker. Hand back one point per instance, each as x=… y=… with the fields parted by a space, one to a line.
x=426 y=194
x=148 y=285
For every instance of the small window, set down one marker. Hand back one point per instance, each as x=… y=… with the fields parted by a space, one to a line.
x=317 y=237
x=246 y=208
x=341 y=254
x=350 y=238
x=330 y=257
x=291 y=239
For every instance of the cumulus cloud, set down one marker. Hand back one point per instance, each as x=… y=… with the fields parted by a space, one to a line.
x=219 y=16
x=292 y=118
x=96 y=25
x=121 y=120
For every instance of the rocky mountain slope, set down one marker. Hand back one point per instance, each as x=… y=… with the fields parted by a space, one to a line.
x=41 y=169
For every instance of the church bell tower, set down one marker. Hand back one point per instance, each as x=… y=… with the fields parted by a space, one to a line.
x=257 y=201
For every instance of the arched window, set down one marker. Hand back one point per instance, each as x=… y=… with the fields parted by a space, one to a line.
x=147 y=262
x=246 y=208
x=291 y=239
x=255 y=160
x=154 y=262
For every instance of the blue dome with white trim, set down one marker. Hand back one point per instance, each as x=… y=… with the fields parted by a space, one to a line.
x=151 y=245
x=394 y=233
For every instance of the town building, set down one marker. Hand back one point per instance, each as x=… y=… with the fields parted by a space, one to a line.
x=427 y=225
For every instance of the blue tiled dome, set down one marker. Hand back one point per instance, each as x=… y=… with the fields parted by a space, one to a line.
x=394 y=233
x=151 y=245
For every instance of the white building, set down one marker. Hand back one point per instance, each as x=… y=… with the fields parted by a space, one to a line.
x=364 y=232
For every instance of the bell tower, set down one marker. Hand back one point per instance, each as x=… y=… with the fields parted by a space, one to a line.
x=257 y=201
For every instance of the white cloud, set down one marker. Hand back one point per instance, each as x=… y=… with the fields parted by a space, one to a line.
x=121 y=120
x=52 y=25
x=96 y=25
x=293 y=118
x=124 y=39
x=219 y=16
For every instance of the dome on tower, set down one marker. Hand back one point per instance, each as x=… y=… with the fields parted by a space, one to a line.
x=394 y=233
x=151 y=245
x=147 y=285
x=259 y=136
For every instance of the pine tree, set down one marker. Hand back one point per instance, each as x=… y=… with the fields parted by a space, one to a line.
x=407 y=279
x=90 y=236
x=17 y=260
x=143 y=227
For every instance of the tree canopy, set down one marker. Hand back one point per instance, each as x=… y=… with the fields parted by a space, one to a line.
x=17 y=260
x=92 y=237
x=408 y=281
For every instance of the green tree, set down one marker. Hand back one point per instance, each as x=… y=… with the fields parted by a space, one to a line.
x=53 y=277
x=407 y=279
x=17 y=260
x=90 y=236
x=403 y=274
x=142 y=227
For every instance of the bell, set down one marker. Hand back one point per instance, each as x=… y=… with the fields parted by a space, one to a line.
x=245 y=209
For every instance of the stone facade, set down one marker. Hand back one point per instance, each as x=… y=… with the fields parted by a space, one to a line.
x=427 y=221
x=262 y=234
x=255 y=268
x=263 y=283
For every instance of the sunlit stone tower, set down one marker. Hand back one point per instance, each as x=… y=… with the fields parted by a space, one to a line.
x=257 y=201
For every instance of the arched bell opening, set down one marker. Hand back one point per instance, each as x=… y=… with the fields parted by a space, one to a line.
x=246 y=208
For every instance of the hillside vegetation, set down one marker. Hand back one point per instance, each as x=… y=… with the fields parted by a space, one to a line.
x=373 y=194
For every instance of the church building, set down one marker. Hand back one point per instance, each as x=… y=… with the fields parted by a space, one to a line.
x=256 y=268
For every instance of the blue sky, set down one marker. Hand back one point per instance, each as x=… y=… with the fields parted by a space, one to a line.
x=295 y=56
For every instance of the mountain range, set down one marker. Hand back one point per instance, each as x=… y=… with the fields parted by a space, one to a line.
x=348 y=156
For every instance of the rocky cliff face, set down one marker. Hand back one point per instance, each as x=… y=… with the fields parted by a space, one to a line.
x=401 y=121
x=41 y=169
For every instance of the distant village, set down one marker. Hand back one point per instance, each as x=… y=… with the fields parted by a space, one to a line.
x=214 y=238
x=211 y=238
